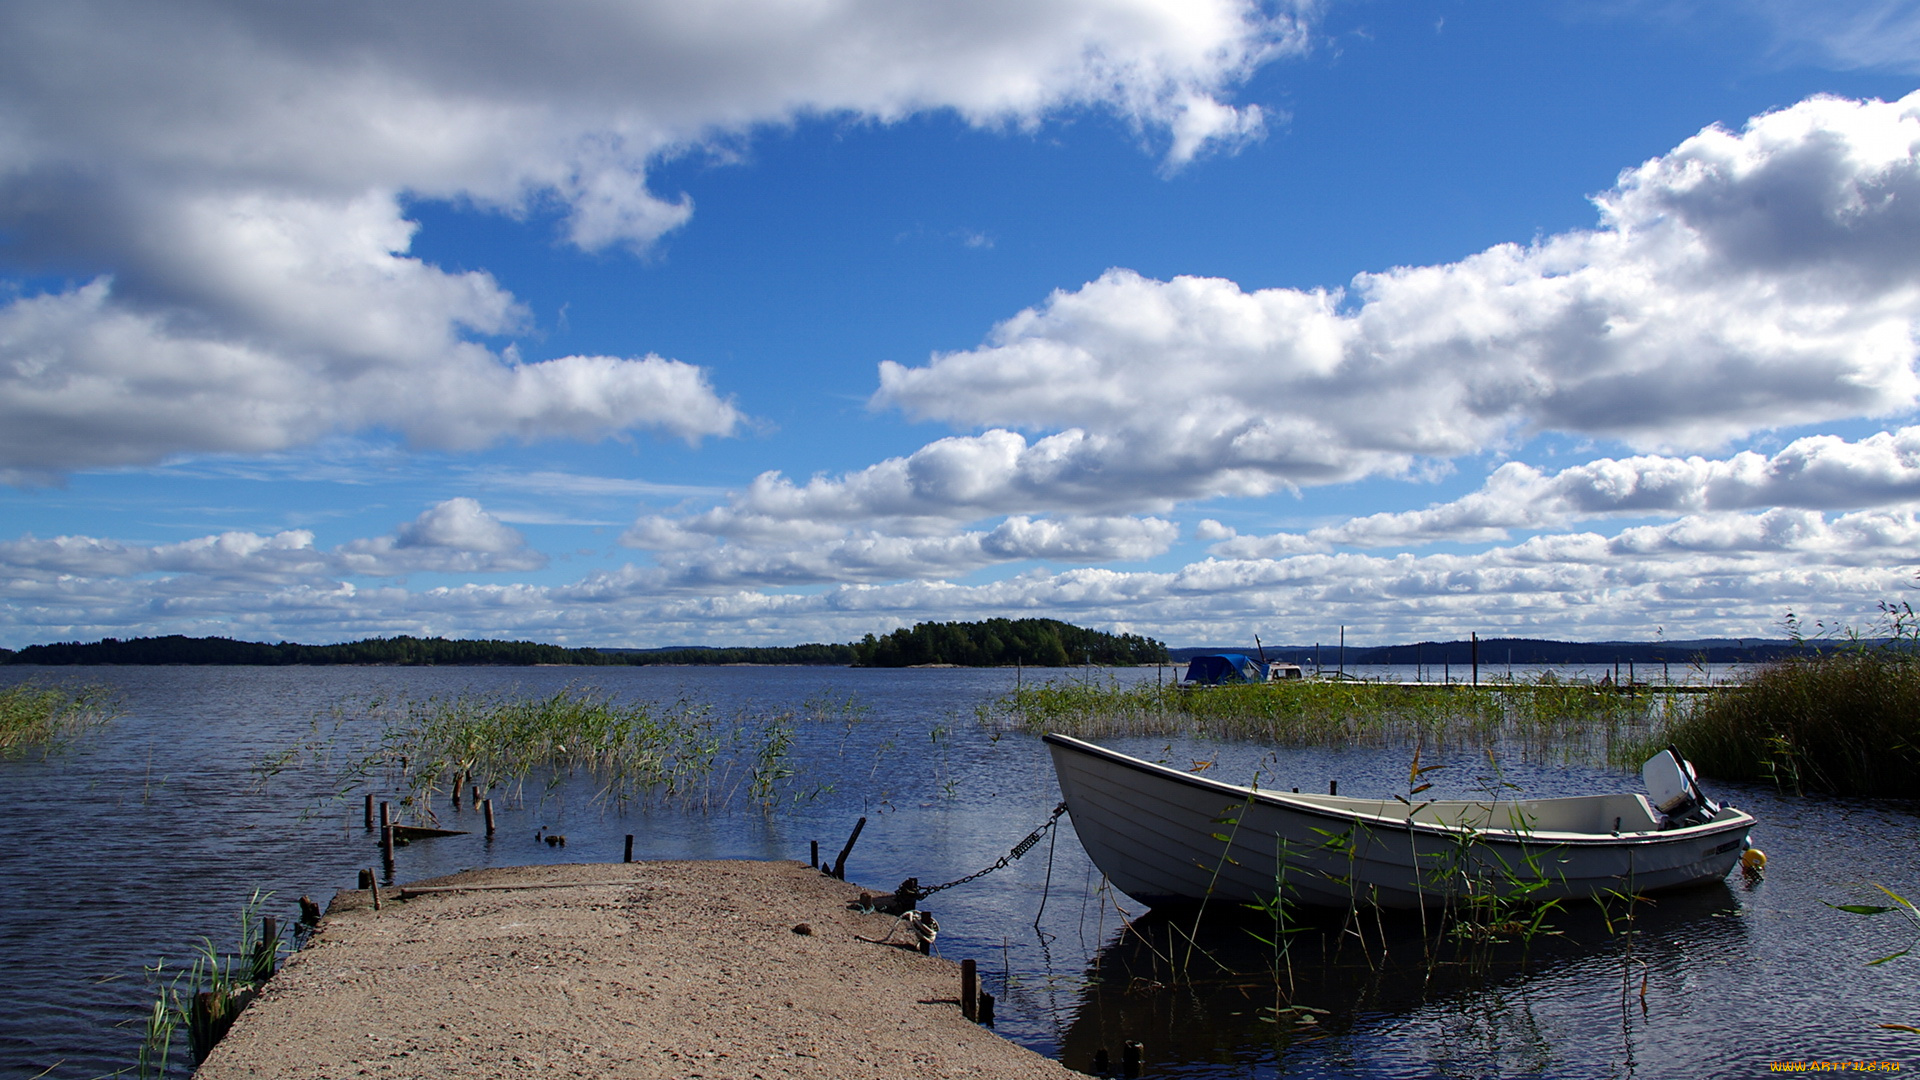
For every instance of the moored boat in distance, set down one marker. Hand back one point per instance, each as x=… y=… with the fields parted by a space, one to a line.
x=1164 y=837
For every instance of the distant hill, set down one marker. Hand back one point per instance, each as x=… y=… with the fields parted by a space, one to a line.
x=1495 y=651
x=1038 y=642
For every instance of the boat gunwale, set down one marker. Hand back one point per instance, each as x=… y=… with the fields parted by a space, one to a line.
x=1731 y=819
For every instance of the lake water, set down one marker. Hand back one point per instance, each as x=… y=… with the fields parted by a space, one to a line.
x=153 y=832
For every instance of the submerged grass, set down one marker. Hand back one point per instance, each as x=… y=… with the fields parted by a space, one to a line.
x=1573 y=721
x=48 y=718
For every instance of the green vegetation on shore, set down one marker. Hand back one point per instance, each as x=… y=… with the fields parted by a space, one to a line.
x=1005 y=643
x=1040 y=642
x=34 y=716
x=403 y=651
x=1570 y=720
x=1845 y=722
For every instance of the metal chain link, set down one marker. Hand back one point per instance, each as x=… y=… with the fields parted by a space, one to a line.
x=1006 y=860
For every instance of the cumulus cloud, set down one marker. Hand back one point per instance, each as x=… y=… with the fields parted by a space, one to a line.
x=456 y=536
x=1817 y=473
x=1744 y=281
x=227 y=179
x=1713 y=574
x=763 y=553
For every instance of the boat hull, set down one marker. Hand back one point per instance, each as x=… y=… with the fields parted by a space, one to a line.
x=1168 y=837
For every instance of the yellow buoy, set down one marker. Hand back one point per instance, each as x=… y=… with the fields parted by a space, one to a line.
x=1753 y=860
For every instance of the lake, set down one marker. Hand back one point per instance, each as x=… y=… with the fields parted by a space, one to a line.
x=127 y=848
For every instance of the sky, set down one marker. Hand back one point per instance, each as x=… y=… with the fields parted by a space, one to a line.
x=634 y=323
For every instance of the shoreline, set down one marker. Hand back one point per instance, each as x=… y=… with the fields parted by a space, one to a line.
x=645 y=970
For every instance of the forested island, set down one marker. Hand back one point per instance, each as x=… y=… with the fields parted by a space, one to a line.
x=995 y=642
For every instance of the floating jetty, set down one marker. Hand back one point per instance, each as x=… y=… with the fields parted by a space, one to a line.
x=713 y=970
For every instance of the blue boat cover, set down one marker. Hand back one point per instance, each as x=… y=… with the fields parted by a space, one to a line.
x=1221 y=668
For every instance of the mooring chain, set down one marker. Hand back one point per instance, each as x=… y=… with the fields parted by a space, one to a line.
x=1006 y=860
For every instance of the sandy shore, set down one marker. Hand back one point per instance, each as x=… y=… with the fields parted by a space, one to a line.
x=661 y=970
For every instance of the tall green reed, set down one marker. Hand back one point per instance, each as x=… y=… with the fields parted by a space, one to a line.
x=1843 y=722
x=680 y=752
x=1546 y=719
x=48 y=718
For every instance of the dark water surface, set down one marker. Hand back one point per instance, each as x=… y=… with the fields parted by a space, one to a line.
x=129 y=847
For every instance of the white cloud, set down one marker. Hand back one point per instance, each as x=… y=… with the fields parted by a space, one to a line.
x=1725 y=574
x=455 y=536
x=229 y=178
x=1816 y=473
x=1744 y=281
x=766 y=552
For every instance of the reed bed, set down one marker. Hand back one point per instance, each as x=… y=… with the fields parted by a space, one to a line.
x=1547 y=719
x=49 y=718
x=1844 y=723
x=679 y=752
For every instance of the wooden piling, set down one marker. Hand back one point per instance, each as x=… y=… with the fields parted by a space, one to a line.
x=458 y=781
x=369 y=811
x=386 y=843
x=386 y=815
x=1131 y=1054
x=629 y=856
x=814 y=858
x=373 y=887
x=486 y=807
x=986 y=1008
x=366 y=879
x=840 y=864
x=969 y=990
x=1333 y=787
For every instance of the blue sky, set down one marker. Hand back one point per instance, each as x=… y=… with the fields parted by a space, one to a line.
x=634 y=324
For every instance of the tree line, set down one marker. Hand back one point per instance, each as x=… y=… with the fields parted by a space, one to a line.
x=1040 y=642
x=1006 y=642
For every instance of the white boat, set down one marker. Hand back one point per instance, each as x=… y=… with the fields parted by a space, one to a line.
x=1164 y=836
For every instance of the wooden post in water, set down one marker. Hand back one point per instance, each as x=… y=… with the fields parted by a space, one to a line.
x=1130 y=1057
x=969 y=990
x=840 y=864
x=369 y=811
x=457 y=782
x=629 y=855
x=1476 y=658
x=986 y=1008
x=1333 y=787
x=386 y=816
x=486 y=807
x=386 y=843
x=815 y=856
x=366 y=878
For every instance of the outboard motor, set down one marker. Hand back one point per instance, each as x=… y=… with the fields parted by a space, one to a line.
x=1674 y=790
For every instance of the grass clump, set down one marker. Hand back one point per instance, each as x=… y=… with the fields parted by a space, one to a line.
x=679 y=752
x=49 y=718
x=1576 y=721
x=1846 y=723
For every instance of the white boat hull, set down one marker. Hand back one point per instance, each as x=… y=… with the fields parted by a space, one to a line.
x=1164 y=836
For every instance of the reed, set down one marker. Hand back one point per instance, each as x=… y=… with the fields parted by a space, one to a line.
x=1573 y=721
x=206 y=996
x=1845 y=723
x=49 y=718
x=680 y=752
